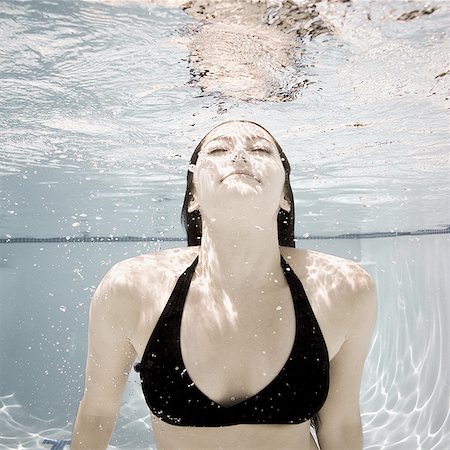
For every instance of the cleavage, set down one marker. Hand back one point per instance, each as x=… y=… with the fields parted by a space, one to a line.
x=232 y=355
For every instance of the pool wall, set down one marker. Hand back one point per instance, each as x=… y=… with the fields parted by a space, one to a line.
x=46 y=290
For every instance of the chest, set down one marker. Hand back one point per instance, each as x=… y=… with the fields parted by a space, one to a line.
x=233 y=348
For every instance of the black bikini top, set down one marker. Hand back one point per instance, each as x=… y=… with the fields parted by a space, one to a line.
x=294 y=396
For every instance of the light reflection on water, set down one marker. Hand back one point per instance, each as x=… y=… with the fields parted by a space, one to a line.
x=87 y=102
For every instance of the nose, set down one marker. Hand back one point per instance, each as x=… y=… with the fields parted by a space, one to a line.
x=239 y=153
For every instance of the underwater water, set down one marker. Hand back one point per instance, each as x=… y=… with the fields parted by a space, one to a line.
x=101 y=106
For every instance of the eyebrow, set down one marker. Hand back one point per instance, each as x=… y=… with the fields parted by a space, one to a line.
x=229 y=139
x=220 y=138
x=263 y=139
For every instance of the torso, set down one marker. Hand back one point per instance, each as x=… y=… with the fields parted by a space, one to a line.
x=259 y=334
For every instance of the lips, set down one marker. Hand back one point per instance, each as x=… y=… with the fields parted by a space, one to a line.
x=241 y=172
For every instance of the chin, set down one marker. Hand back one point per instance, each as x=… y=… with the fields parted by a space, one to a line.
x=238 y=188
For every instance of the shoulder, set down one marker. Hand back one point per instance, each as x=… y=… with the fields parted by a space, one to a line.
x=349 y=286
x=345 y=271
x=129 y=273
x=127 y=281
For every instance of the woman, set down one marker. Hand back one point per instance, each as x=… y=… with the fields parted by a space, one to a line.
x=251 y=338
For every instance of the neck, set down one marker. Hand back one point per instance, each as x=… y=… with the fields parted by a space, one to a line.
x=239 y=257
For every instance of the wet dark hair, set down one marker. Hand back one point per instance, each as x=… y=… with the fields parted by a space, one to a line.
x=192 y=221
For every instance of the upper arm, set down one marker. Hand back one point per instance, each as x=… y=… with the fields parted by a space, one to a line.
x=110 y=352
x=341 y=409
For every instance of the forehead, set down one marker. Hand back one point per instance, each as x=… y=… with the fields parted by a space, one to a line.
x=238 y=130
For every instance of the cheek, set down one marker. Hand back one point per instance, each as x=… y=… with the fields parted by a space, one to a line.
x=204 y=181
x=274 y=186
x=209 y=166
x=273 y=174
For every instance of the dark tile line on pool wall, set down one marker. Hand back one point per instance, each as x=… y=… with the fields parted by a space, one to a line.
x=87 y=238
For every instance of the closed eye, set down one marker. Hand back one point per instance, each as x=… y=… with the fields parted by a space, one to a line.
x=261 y=149
x=217 y=150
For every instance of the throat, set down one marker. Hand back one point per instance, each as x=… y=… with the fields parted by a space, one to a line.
x=228 y=258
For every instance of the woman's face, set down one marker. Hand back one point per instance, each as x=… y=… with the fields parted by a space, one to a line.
x=238 y=166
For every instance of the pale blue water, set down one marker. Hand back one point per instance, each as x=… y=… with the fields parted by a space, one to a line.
x=98 y=118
